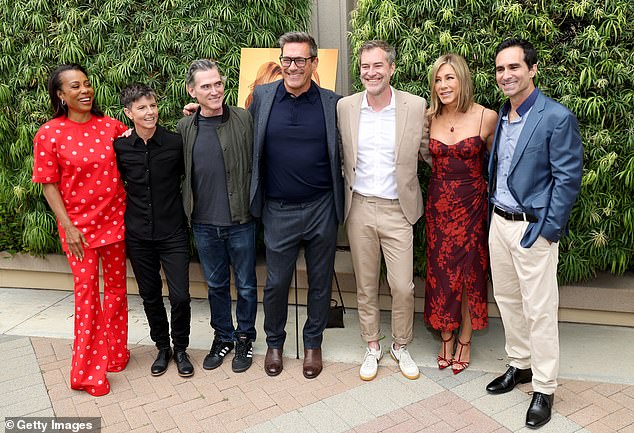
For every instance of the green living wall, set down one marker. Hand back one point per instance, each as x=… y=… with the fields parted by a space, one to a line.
x=586 y=61
x=119 y=42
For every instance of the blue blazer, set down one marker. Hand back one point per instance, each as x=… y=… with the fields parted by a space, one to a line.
x=546 y=169
x=260 y=109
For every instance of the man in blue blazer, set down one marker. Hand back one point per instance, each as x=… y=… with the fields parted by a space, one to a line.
x=535 y=173
x=297 y=191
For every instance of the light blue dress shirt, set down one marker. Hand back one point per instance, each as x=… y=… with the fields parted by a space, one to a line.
x=509 y=134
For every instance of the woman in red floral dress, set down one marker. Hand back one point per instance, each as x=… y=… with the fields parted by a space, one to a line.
x=456 y=211
x=75 y=162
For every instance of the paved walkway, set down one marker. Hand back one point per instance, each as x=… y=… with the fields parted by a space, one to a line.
x=596 y=392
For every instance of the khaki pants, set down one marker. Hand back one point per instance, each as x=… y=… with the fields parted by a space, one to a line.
x=526 y=292
x=376 y=224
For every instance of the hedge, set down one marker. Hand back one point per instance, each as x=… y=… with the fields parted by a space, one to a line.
x=586 y=61
x=119 y=42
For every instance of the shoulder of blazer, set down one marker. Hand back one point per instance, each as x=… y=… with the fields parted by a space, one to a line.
x=556 y=108
x=327 y=94
x=263 y=89
x=408 y=97
x=351 y=100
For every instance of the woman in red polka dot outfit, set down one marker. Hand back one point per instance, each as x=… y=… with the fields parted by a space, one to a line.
x=75 y=162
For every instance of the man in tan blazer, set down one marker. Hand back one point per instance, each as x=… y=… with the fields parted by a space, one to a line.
x=383 y=130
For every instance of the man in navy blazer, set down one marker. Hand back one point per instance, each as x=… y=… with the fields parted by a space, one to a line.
x=535 y=171
x=297 y=191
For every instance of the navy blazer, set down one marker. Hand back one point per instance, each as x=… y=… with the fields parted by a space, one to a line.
x=546 y=169
x=260 y=109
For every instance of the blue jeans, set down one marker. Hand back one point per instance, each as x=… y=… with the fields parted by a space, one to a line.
x=218 y=248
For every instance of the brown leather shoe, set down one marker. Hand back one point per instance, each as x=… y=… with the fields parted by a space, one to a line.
x=312 y=363
x=273 y=364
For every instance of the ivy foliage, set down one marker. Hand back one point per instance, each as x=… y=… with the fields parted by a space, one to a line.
x=118 y=42
x=586 y=61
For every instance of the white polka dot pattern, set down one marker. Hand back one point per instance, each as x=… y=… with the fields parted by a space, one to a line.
x=97 y=348
x=76 y=156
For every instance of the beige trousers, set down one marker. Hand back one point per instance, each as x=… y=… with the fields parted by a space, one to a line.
x=526 y=292
x=376 y=224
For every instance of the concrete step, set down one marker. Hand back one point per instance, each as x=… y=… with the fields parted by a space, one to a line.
x=605 y=300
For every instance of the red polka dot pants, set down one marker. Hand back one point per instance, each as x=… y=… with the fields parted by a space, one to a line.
x=101 y=332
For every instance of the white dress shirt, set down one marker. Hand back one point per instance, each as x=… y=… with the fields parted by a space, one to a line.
x=376 y=151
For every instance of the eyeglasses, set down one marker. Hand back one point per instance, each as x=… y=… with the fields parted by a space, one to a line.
x=300 y=62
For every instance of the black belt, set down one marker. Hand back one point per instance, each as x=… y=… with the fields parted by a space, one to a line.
x=514 y=216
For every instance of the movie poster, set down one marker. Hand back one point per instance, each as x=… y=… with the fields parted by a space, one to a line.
x=262 y=65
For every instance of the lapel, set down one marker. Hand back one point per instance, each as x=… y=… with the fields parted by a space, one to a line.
x=329 y=105
x=534 y=118
x=355 y=118
x=268 y=96
x=493 y=156
x=401 y=120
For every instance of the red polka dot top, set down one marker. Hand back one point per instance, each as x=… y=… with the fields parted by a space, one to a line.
x=80 y=158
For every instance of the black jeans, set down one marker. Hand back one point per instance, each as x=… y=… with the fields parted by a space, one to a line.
x=147 y=257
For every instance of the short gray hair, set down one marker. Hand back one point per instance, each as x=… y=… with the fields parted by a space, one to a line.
x=390 y=52
x=301 y=37
x=202 y=65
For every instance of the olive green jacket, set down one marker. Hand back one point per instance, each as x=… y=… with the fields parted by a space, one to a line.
x=235 y=134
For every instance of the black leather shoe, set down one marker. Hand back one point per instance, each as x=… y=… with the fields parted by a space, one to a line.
x=159 y=366
x=508 y=380
x=184 y=366
x=539 y=411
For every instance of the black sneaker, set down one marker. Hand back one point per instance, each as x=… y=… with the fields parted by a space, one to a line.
x=244 y=355
x=219 y=350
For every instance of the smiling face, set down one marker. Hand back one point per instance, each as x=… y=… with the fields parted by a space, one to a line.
x=297 y=80
x=209 y=91
x=513 y=75
x=375 y=71
x=143 y=112
x=77 y=93
x=447 y=85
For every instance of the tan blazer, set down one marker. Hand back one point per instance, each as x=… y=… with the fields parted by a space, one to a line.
x=412 y=138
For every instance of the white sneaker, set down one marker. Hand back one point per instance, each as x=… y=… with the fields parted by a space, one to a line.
x=370 y=364
x=405 y=362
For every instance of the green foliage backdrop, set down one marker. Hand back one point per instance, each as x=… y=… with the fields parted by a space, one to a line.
x=118 y=41
x=586 y=61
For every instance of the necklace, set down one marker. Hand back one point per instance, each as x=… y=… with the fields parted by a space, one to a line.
x=451 y=124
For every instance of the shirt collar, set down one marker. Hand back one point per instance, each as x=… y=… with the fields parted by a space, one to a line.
x=312 y=94
x=524 y=106
x=157 y=138
x=366 y=106
x=225 y=114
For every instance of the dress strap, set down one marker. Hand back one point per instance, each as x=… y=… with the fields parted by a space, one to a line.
x=481 y=117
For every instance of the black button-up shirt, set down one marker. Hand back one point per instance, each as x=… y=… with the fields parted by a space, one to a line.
x=152 y=176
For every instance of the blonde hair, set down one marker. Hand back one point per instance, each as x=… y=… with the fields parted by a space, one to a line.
x=459 y=65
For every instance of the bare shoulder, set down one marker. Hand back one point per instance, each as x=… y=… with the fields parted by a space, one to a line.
x=489 y=117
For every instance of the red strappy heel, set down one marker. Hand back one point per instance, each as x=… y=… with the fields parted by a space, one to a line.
x=462 y=365
x=444 y=361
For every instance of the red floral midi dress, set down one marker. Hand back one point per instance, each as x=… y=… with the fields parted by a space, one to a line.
x=456 y=231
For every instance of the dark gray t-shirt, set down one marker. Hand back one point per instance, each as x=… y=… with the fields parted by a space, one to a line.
x=209 y=182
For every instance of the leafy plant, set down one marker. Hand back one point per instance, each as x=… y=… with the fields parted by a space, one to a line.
x=119 y=42
x=586 y=61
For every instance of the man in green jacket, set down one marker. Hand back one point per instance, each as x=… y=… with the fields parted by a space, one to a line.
x=218 y=145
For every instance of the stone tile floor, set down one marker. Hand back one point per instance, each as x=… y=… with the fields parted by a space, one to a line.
x=35 y=382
